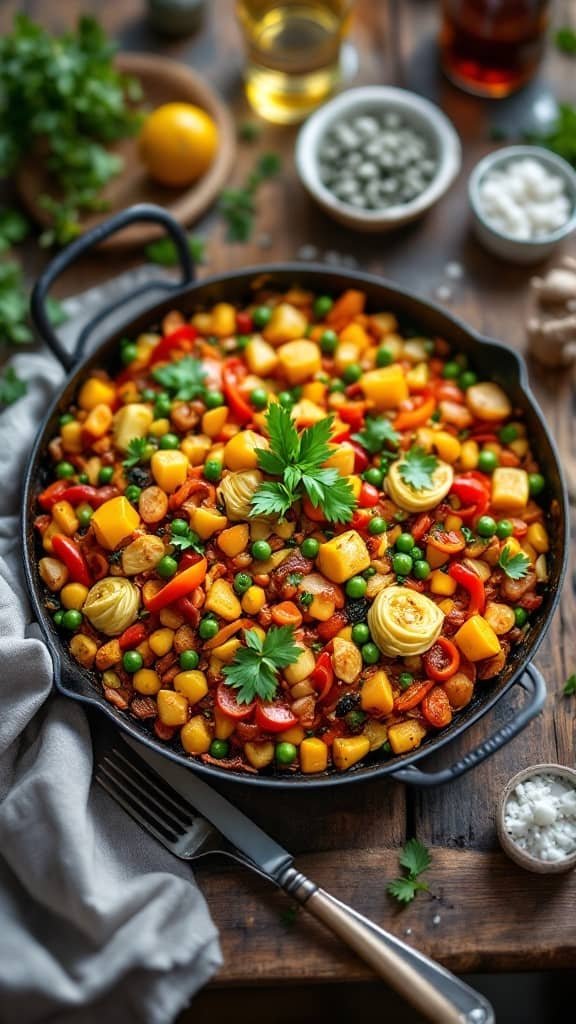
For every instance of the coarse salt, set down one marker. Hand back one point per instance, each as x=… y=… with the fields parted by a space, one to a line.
x=540 y=817
x=524 y=200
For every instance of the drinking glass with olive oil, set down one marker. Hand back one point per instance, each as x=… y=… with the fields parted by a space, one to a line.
x=293 y=54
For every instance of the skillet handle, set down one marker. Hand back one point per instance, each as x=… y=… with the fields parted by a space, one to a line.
x=532 y=681
x=92 y=238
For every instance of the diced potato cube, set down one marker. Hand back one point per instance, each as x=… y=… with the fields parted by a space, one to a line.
x=344 y=556
x=192 y=684
x=64 y=515
x=286 y=324
x=73 y=595
x=253 y=600
x=487 y=401
x=83 y=649
x=196 y=736
x=313 y=755
x=213 y=420
x=405 y=736
x=442 y=583
x=161 y=641
x=146 y=682
x=259 y=755
x=376 y=732
x=376 y=695
x=223 y=725
x=301 y=668
x=226 y=652
x=98 y=420
x=510 y=489
x=417 y=377
x=294 y=735
x=114 y=521
x=356 y=334
x=260 y=356
x=385 y=387
x=94 y=392
x=346 y=353
x=299 y=360
x=314 y=391
x=305 y=413
x=234 y=540
x=223 y=320
x=537 y=536
x=71 y=434
x=172 y=707
x=131 y=421
x=206 y=521
x=476 y=639
x=222 y=600
x=169 y=469
x=342 y=459
x=347 y=750
x=240 y=450
x=196 y=448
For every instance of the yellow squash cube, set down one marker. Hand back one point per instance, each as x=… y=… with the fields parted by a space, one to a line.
x=206 y=521
x=169 y=469
x=223 y=320
x=299 y=360
x=234 y=540
x=161 y=641
x=259 y=755
x=385 y=387
x=222 y=600
x=65 y=517
x=405 y=736
x=71 y=434
x=313 y=755
x=477 y=640
x=294 y=735
x=131 y=421
x=537 y=536
x=226 y=652
x=223 y=725
x=510 y=490
x=260 y=356
x=196 y=736
x=442 y=583
x=172 y=707
x=344 y=556
x=286 y=324
x=146 y=681
x=196 y=448
x=342 y=459
x=376 y=695
x=73 y=595
x=114 y=521
x=192 y=684
x=240 y=450
x=94 y=392
x=347 y=750
x=213 y=420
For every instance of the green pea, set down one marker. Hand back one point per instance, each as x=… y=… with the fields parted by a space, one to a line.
x=451 y=370
x=148 y=395
x=416 y=554
x=208 y=628
x=67 y=417
x=520 y=617
x=57 y=617
x=166 y=567
x=132 y=493
x=168 y=442
x=377 y=525
x=536 y=484
x=370 y=571
x=487 y=461
x=486 y=526
x=373 y=476
x=259 y=398
x=322 y=306
x=504 y=528
x=179 y=527
x=213 y=399
x=370 y=654
x=83 y=478
x=421 y=569
x=356 y=587
x=384 y=356
x=261 y=316
x=219 y=749
x=242 y=341
x=352 y=373
x=84 y=515
x=64 y=470
x=336 y=385
x=261 y=550
x=213 y=470
x=508 y=433
x=132 y=661
x=329 y=342
x=405 y=679
x=285 y=399
x=360 y=633
x=286 y=753
x=242 y=582
x=162 y=406
x=105 y=475
x=402 y=564
x=188 y=660
x=467 y=379
x=355 y=719
x=405 y=542
x=310 y=547
x=129 y=353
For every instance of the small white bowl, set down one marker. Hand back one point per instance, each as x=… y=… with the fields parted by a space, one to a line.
x=515 y=852
x=529 y=250
x=378 y=99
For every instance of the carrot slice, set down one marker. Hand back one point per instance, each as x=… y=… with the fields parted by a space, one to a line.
x=413 y=695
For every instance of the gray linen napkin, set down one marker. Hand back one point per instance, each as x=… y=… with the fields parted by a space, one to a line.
x=97 y=921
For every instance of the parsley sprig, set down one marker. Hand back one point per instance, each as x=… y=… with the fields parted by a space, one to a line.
x=298 y=460
x=416 y=859
x=238 y=205
x=183 y=379
x=417 y=469
x=378 y=433
x=138 y=448
x=185 y=541
x=515 y=566
x=254 y=671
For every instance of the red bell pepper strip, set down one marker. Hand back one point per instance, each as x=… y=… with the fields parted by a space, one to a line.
x=244 y=323
x=369 y=496
x=471 y=582
x=189 y=611
x=171 y=342
x=94 y=496
x=52 y=494
x=73 y=559
x=361 y=459
x=352 y=413
x=442 y=660
x=473 y=490
x=421 y=526
x=232 y=373
x=360 y=520
x=179 y=586
x=409 y=419
x=322 y=676
x=275 y=717
x=132 y=636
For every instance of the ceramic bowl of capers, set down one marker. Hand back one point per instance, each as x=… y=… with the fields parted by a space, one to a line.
x=377 y=157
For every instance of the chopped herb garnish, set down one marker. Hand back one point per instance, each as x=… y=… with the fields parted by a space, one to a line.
x=182 y=542
x=376 y=434
x=565 y=39
x=417 y=469
x=467 y=533
x=249 y=131
x=416 y=859
x=561 y=139
x=184 y=379
x=306 y=598
x=254 y=671
x=238 y=206
x=570 y=686
x=515 y=566
x=11 y=387
x=13 y=227
x=137 y=450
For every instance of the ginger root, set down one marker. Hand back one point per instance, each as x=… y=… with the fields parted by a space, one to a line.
x=552 y=334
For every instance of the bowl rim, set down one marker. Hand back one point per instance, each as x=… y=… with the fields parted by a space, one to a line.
x=441 y=128
x=520 y=856
x=544 y=156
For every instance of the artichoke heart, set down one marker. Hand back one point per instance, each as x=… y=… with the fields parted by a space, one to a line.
x=237 y=490
x=404 y=622
x=112 y=605
x=419 y=501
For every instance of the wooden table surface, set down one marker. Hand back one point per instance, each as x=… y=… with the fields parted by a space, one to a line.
x=483 y=913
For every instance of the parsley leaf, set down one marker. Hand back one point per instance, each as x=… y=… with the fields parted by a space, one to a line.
x=561 y=139
x=190 y=539
x=163 y=251
x=238 y=205
x=376 y=434
x=183 y=379
x=417 y=469
x=570 y=686
x=298 y=461
x=515 y=566
x=416 y=859
x=254 y=671
x=137 y=449
x=565 y=40
x=467 y=533
x=11 y=387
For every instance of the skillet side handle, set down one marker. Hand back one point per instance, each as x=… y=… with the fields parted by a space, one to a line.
x=533 y=683
x=92 y=238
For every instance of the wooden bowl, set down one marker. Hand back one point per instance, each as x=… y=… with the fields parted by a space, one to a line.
x=162 y=81
x=526 y=860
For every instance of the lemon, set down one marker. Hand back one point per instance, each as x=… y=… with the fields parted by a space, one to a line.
x=177 y=143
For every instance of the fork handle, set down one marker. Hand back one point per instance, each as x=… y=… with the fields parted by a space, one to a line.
x=439 y=996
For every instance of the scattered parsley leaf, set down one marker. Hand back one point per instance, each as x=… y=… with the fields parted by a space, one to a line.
x=570 y=686
x=163 y=251
x=295 y=578
x=184 y=378
x=238 y=205
x=254 y=671
x=137 y=449
x=565 y=40
x=11 y=387
x=515 y=566
x=306 y=598
x=14 y=328
x=416 y=859
x=467 y=533
x=13 y=227
x=190 y=539
x=376 y=434
x=417 y=469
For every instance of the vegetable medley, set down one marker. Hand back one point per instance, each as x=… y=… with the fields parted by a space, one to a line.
x=293 y=534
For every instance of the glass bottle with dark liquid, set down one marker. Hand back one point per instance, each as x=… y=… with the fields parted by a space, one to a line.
x=492 y=47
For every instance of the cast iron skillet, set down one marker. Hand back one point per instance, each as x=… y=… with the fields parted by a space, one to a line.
x=500 y=364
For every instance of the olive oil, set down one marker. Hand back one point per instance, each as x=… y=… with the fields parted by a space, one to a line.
x=293 y=54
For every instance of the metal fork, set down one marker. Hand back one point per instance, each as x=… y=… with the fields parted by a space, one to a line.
x=169 y=816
